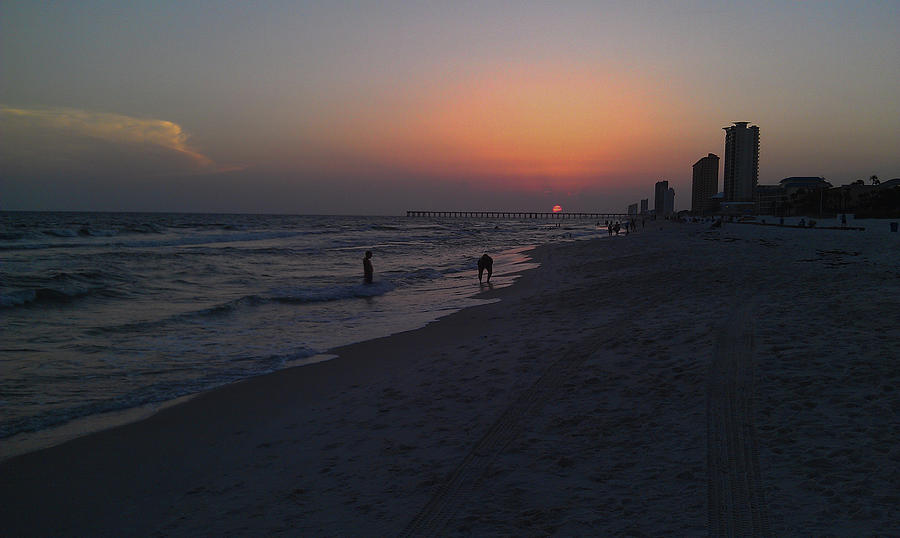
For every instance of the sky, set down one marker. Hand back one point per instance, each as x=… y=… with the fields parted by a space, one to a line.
x=381 y=107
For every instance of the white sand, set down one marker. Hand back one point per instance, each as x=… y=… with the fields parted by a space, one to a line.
x=671 y=382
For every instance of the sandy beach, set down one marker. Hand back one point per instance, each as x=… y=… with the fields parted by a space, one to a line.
x=676 y=381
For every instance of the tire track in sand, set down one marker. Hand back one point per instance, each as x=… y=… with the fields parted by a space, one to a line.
x=460 y=484
x=737 y=505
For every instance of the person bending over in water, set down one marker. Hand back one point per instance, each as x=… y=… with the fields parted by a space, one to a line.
x=367 y=267
x=485 y=262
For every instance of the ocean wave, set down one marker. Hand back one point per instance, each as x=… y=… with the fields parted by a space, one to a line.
x=153 y=393
x=41 y=295
x=67 y=236
x=462 y=268
x=60 y=232
x=426 y=273
x=124 y=242
x=46 y=296
x=211 y=238
x=215 y=311
x=97 y=232
x=252 y=252
x=285 y=295
x=17 y=298
x=60 y=287
x=34 y=246
x=145 y=228
x=330 y=293
x=224 y=308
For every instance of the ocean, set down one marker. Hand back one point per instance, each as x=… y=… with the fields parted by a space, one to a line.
x=103 y=313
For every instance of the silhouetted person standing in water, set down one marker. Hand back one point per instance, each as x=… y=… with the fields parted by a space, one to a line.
x=367 y=267
x=485 y=262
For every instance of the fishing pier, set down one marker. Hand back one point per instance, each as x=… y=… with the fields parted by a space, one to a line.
x=518 y=215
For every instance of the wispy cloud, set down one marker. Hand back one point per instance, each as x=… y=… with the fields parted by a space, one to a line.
x=105 y=126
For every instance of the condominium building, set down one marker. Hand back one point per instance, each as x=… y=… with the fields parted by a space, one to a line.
x=659 y=197
x=741 y=161
x=705 y=184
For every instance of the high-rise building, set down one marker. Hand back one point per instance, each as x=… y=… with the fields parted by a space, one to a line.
x=659 y=197
x=705 y=184
x=670 y=201
x=741 y=161
x=645 y=204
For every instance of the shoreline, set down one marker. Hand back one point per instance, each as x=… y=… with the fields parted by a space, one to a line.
x=582 y=403
x=195 y=422
x=27 y=442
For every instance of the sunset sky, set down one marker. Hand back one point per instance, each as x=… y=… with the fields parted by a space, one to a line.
x=380 y=107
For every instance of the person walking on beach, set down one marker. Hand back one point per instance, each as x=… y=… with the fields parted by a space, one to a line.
x=367 y=268
x=485 y=262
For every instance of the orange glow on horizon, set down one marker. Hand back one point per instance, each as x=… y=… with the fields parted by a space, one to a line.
x=523 y=127
x=557 y=208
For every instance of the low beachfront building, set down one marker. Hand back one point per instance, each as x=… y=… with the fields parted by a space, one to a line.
x=809 y=183
x=769 y=199
x=804 y=195
x=877 y=200
x=737 y=208
x=788 y=196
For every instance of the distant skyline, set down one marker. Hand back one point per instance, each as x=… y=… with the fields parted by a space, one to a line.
x=377 y=108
